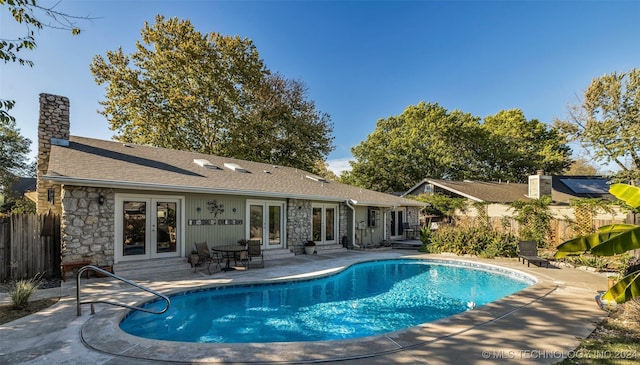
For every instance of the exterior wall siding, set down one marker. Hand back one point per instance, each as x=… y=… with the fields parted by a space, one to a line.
x=198 y=207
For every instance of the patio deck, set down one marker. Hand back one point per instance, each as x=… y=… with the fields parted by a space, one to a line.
x=541 y=324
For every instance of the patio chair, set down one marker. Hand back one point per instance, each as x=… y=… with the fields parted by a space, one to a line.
x=254 y=252
x=205 y=256
x=529 y=253
x=406 y=229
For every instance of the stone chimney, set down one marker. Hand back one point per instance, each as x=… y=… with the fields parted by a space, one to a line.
x=53 y=127
x=539 y=185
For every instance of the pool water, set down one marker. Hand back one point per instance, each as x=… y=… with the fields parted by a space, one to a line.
x=366 y=299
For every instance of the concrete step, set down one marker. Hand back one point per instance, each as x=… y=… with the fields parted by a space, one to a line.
x=141 y=268
x=276 y=254
x=329 y=249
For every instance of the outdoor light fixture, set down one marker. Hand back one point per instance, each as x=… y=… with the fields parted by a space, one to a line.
x=100 y=199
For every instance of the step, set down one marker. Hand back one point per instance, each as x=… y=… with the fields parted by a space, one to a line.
x=277 y=254
x=329 y=249
x=138 y=268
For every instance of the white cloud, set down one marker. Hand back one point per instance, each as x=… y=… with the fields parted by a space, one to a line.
x=339 y=165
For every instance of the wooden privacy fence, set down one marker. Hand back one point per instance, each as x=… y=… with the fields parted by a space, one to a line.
x=29 y=245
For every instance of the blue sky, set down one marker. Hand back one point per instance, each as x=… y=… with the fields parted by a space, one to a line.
x=361 y=60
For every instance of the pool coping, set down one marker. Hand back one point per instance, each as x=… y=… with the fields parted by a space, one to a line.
x=103 y=334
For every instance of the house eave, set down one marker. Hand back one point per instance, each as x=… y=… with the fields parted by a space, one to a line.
x=115 y=184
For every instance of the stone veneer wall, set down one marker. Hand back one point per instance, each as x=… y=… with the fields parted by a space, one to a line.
x=299 y=214
x=53 y=123
x=299 y=228
x=343 y=222
x=88 y=227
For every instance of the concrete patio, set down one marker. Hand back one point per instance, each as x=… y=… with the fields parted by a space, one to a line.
x=541 y=324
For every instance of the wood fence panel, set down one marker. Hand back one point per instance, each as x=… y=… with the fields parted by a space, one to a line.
x=24 y=253
x=5 y=250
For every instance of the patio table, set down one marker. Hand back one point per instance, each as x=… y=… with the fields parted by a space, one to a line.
x=229 y=251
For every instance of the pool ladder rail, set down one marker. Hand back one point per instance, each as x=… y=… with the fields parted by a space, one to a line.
x=104 y=272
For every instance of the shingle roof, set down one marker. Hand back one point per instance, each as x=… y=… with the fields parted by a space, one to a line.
x=564 y=189
x=93 y=162
x=493 y=192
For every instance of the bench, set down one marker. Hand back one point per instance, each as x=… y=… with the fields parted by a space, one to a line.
x=74 y=265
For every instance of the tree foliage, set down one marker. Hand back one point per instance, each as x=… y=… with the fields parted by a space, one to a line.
x=209 y=93
x=607 y=122
x=34 y=17
x=612 y=240
x=426 y=140
x=13 y=153
x=534 y=219
x=581 y=167
x=442 y=205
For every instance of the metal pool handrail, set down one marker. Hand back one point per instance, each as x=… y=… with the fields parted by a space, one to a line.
x=104 y=272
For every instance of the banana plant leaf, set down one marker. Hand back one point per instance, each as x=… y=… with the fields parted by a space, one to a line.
x=627 y=193
x=620 y=243
x=584 y=244
x=625 y=289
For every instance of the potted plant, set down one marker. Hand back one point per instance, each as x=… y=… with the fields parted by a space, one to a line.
x=309 y=247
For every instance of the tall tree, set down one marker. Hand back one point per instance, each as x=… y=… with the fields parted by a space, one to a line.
x=426 y=140
x=13 y=154
x=209 y=93
x=607 y=122
x=281 y=127
x=516 y=147
x=421 y=142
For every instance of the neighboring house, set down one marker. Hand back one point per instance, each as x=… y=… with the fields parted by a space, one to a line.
x=122 y=202
x=498 y=195
x=22 y=186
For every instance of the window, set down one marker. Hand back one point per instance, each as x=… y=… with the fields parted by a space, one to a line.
x=428 y=189
x=373 y=217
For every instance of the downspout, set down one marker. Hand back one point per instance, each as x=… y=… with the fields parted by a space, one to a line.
x=353 y=223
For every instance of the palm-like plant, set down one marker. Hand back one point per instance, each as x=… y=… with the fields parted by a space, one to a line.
x=612 y=240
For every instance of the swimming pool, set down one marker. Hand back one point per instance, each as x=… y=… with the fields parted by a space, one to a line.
x=366 y=299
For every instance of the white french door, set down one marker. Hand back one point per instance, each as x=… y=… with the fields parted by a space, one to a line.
x=324 y=224
x=397 y=220
x=148 y=227
x=266 y=223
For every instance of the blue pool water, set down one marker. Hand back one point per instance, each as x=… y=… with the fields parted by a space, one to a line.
x=366 y=299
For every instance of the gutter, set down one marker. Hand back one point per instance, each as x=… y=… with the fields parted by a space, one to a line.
x=353 y=222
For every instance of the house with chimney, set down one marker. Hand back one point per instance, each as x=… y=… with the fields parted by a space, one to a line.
x=497 y=196
x=122 y=202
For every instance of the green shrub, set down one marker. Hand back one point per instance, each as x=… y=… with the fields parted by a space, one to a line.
x=597 y=262
x=22 y=291
x=473 y=241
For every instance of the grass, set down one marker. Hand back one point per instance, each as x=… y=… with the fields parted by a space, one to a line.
x=8 y=313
